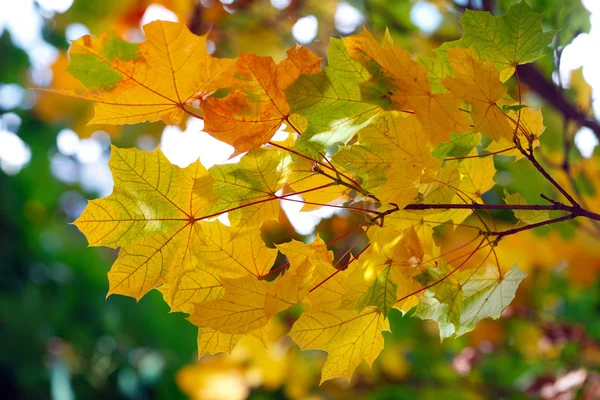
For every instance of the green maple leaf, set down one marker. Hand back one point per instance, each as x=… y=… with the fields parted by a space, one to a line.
x=331 y=101
x=381 y=294
x=509 y=40
x=457 y=304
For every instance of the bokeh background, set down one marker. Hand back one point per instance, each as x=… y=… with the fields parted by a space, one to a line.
x=61 y=338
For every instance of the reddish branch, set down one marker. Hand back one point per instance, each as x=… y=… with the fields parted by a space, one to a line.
x=574 y=211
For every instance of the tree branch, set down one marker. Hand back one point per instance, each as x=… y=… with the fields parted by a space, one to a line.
x=532 y=207
x=500 y=235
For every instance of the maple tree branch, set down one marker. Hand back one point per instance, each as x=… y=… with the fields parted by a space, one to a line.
x=577 y=211
x=478 y=206
x=529 y=155
x=500 y=235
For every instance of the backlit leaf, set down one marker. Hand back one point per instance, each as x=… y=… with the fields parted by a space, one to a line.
x=349 y=337
x=509 y=40
x=254 y=110
x=478 y=83
x=525 y=216
x=331 y=101
x=462 y=299
x=150 y=215
x=153 y=81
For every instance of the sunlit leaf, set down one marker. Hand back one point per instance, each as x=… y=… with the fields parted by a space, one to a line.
x=153 y=81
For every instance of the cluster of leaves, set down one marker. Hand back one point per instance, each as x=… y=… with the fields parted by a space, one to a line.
x=374 y=131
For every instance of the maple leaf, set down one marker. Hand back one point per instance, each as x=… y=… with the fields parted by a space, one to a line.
x=457 y=303
x=390 y=156
x=256 y=107
x=152 y=81
x=525 y=216
x=406 y=86
x=349 y=337
x=508 y=40
x=331 y=101
x=149 y=215
x=157 y=215
x=478 y=83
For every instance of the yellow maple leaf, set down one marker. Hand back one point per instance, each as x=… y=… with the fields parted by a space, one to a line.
x=407 y=86
x=157 y=215
x=349 y=337
x=293 y=287
x=478 y=83
x=150 y=215
x=153 y=81
x=391 y=157
x=241 y=310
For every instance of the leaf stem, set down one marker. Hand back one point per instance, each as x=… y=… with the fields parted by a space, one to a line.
x=261 y=201
x=446 y=276
x=342 y=268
